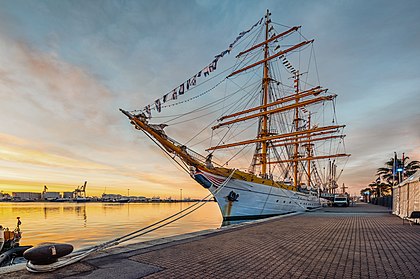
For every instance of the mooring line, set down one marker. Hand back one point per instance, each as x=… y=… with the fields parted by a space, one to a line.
x=81 y=254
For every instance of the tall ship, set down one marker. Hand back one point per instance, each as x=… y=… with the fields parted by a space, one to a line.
x=257 y=129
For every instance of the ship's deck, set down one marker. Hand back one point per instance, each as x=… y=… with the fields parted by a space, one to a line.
x=364 y=241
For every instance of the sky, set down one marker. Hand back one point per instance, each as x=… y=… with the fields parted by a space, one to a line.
x=66 y=67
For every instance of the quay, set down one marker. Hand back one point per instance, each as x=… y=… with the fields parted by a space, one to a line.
x=362 y=241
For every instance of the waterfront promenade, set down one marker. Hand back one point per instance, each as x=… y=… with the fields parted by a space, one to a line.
x=364 y=241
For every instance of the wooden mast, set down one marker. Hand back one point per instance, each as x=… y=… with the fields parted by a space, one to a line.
x=329 y=129
x=309 y=148
x=278 y=109
x=313 y=91
x=264 y=133
x=296 y=122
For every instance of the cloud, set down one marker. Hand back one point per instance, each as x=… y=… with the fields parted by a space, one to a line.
x=19 y=150
x=51 y=84
x=65 y=69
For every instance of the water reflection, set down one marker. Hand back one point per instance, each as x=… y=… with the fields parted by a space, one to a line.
x=51 y=210
x=68 y=222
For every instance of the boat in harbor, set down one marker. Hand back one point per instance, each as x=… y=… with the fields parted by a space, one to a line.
x=267 y=134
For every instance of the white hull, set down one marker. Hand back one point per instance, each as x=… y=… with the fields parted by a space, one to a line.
x=253 y=200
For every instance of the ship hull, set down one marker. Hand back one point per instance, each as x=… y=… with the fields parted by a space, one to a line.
x=238 y=199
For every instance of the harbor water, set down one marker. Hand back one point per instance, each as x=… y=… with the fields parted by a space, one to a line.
x=87 y=224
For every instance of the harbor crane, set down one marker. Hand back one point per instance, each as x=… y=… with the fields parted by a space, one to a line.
x=80 y=191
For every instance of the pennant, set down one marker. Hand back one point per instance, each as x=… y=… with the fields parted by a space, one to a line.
x=158 y=105
x=212 y=66
x=148 y=111
x=181 y=89
x=174 y=94
x=402 y=162
x=206 y=71
x=191 y=82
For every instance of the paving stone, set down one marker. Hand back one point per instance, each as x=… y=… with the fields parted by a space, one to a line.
x=364 y=241
x=117 y=268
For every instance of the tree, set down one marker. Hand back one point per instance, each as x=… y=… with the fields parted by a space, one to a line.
x=366 y=193
x=380 y=189
x=386 y=173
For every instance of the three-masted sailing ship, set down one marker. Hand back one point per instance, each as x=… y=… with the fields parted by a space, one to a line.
x=292 y=156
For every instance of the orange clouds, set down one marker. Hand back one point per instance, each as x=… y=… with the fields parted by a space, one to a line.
x=17 y=150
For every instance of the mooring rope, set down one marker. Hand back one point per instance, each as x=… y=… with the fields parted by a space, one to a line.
x=81 y=254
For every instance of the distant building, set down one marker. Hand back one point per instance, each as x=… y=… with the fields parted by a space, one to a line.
x=138 y=199
x=26 y=196
x=67 y=195
x=5 y=197
x=111 y=197
x=155 y=199
x=51 y=195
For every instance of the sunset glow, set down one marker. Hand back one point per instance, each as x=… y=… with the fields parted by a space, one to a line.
x=66 y=69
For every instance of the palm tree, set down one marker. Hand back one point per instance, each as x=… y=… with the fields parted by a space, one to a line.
x=380 y=189
x=386 y=173
x=366 y=193
x=411 y=168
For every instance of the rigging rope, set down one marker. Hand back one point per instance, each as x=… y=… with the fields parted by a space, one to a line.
x=83 y=253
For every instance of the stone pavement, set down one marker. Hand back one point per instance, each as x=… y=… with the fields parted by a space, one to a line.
x=364 y=241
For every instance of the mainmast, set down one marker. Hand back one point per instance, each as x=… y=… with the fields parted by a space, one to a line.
x=264 y=130
x=309 y=150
